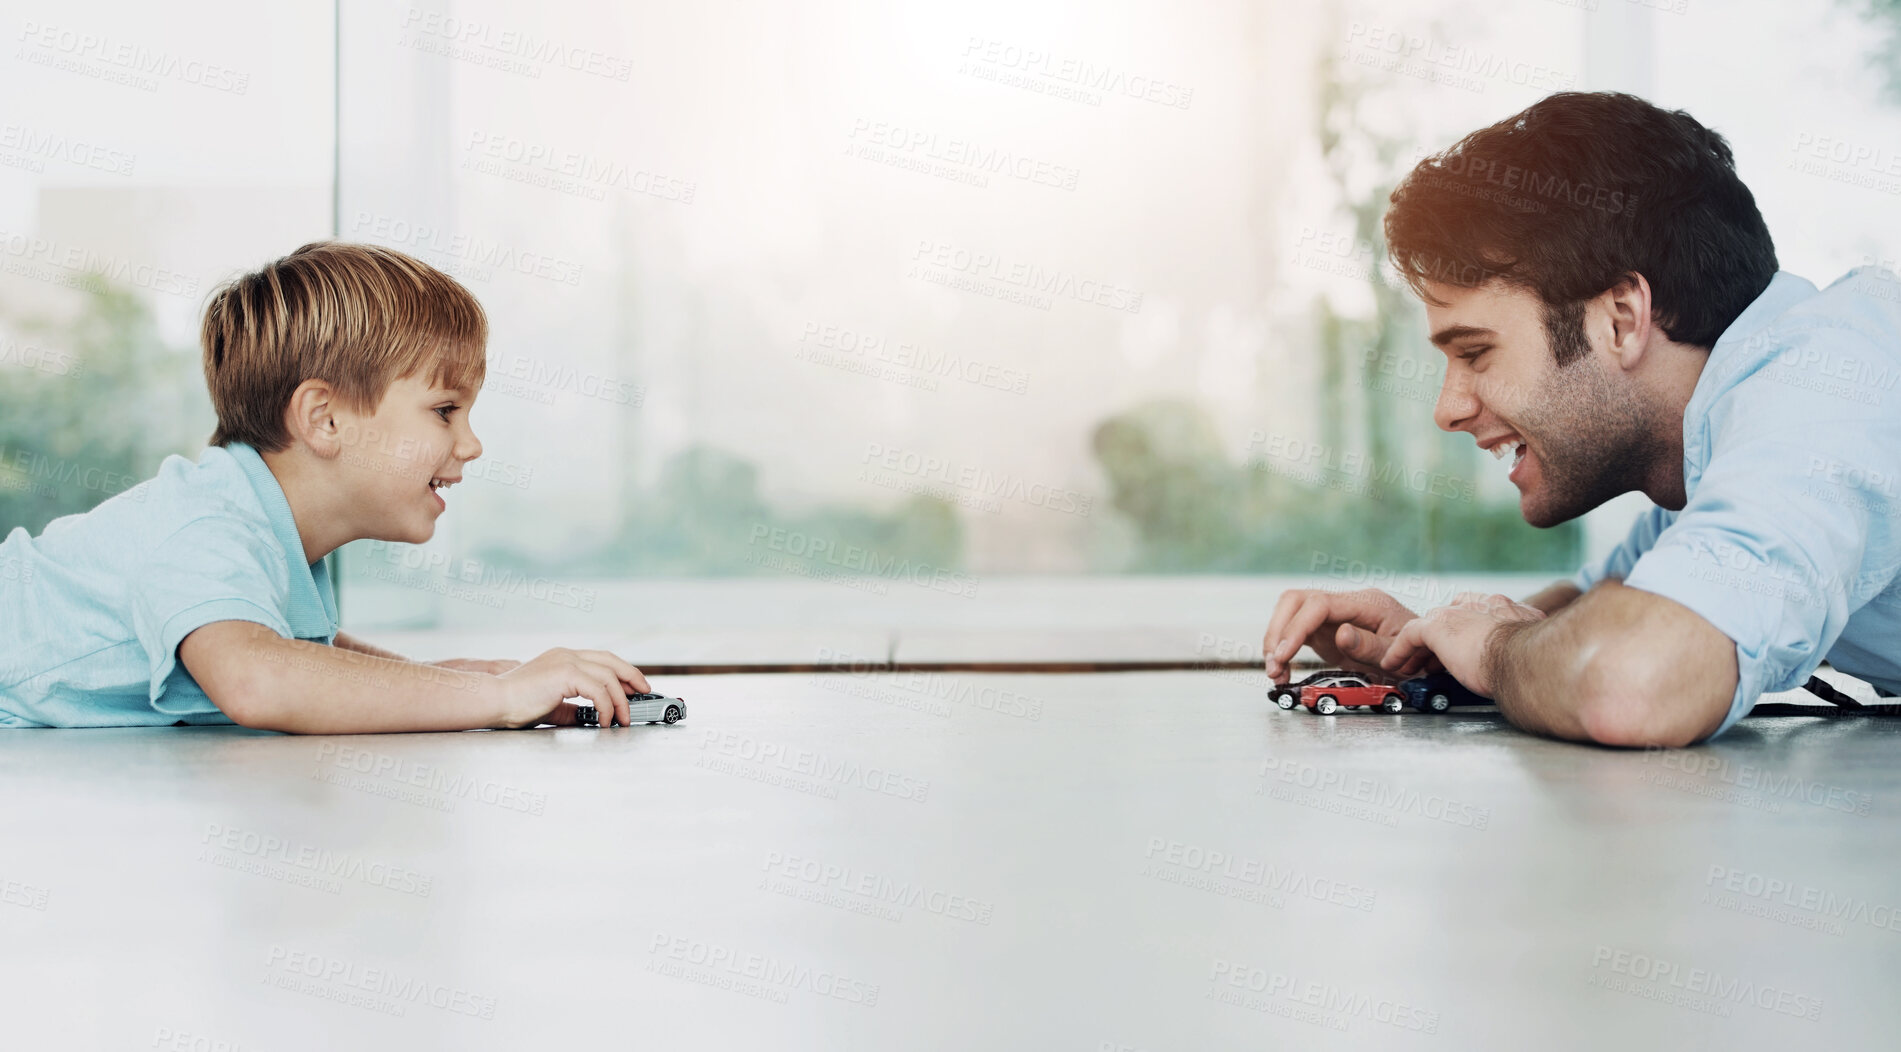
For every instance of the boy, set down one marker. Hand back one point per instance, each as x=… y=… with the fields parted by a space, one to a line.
x=342 y=376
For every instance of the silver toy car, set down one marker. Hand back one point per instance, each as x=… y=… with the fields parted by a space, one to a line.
x=641 y=708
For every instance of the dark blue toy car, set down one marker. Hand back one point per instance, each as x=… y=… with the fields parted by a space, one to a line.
x=1437 y=692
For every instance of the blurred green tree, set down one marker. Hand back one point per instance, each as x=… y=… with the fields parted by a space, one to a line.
x=706 y=516
x=1389 y=489
x=115 y=404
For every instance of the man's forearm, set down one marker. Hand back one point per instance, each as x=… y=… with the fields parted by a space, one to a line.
x=1554 y=597
x=1534 y=680
x=1537 y=671
x=1620 y=666
x=308 y=688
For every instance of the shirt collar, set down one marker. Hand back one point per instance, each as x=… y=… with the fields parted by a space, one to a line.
x=1731 y=356
x=1784 y=291
x=1737 y=352
x=313 y=603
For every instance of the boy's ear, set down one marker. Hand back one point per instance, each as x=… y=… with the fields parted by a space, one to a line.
x=311 y=418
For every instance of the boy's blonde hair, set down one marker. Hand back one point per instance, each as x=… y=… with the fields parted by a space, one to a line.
x=358 y=317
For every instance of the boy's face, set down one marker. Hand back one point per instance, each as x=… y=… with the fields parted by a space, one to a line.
x=394 y=458
x=1579 y=422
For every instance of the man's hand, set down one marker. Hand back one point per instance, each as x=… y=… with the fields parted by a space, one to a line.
x=491 y=668
x=1457 y=637
x=1350 y=630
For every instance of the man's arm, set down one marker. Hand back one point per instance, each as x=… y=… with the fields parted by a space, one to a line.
x=1618 y=666
x=1554 y=598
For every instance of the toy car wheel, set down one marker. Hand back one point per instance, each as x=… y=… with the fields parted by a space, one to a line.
x=1284 y=699
x=1438 y=703
x=1393 y=703
x=1326 y=704
x=673 y=714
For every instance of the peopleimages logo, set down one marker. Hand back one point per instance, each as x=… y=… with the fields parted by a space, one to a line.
x=1038 y=283
x=809 y=553
x=753 y=974
x=934 y=692
x=270 y=855
x=1787 y=902
x=888 y=462
x=378 y=989
x=1307 y=783
x=719 y=750
x=1547 y=185
x=958 y=154
x=449 y=784
x=1068 y=76
x=1772 y=785
x=1700 y=989
x=1334 y=1005
x=1194 y=860
x=878 y=888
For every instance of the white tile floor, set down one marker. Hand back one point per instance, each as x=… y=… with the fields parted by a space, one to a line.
x=1154 y=861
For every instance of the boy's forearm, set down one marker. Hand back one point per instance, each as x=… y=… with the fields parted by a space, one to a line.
x=308 y=688
x=345 y=641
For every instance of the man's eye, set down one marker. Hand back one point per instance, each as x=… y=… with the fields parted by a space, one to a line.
x=1472 y=355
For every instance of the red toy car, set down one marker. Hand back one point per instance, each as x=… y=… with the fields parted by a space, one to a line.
x=1328 y=693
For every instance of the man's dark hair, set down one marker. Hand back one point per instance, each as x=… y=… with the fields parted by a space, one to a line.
x=1574 y=193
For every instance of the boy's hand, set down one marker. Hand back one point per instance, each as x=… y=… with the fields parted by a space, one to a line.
x=492 y=668
x=537 y=691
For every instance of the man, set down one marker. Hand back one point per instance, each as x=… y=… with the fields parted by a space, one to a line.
x=1608 y=298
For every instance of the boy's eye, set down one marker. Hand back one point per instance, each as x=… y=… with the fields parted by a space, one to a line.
x=445 y=410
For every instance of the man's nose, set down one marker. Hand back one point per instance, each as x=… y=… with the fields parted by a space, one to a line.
x=1456 y=403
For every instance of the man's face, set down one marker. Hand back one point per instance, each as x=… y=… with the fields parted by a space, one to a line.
x=392 y=458
x=1582 y=428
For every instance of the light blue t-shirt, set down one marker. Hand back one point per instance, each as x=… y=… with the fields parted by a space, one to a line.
x=1790 y=543
x=93 y=609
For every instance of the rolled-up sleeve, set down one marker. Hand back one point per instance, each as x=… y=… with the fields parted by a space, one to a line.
x=1788 y=533
x=211 y=569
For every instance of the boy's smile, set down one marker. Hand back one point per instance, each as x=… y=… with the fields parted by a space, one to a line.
x=401 y=458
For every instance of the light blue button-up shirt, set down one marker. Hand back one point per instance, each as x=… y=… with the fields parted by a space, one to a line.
x=1790 y=543
x=93 y=609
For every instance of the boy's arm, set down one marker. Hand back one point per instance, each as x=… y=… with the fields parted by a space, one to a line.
x=493 y=668
x=260 y=679
x=349 y=642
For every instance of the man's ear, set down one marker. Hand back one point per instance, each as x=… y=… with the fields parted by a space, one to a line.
x=1626 y=307
x=311 y=418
